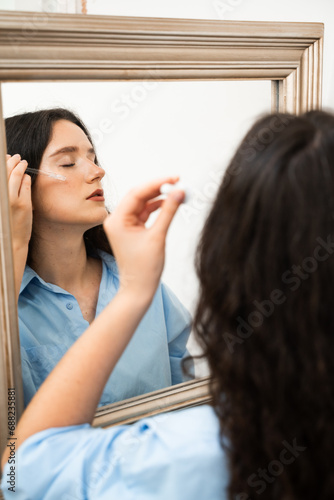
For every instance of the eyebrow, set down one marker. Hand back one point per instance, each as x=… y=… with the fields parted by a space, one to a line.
x=70 y=149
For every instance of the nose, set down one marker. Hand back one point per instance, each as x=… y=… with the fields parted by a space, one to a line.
x=93 y=171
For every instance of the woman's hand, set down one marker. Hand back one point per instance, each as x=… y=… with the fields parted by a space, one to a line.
x=19 y=190
x=140 y=251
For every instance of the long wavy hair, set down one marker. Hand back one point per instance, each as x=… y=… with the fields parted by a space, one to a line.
x=265 y=316
x=28 y=134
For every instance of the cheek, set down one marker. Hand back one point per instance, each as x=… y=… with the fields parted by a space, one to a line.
x=52 y=198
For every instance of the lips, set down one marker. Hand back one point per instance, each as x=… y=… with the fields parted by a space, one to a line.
x=97 y=195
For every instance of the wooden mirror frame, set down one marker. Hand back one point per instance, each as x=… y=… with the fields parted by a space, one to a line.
x=40 y=46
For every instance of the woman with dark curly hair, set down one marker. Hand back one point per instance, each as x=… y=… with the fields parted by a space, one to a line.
x=265 y=322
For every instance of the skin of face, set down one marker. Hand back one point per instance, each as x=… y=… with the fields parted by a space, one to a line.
x=65 y=202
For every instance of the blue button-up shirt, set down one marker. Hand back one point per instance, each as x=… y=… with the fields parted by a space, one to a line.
x=173 y=456
x=50 y=321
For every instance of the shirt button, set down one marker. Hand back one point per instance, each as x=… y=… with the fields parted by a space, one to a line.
x=69 y=305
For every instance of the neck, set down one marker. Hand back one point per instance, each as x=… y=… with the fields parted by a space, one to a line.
x=58 y=255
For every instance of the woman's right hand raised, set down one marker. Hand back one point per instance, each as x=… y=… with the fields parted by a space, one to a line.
x=19 y=191
x=139 y=250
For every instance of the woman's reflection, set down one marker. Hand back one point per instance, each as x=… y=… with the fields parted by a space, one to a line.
x=65 y=273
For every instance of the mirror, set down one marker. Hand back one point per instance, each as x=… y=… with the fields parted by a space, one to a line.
x=141 y=130
x=171 y=54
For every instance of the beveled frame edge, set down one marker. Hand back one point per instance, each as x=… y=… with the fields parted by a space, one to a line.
x=35 y=46
x=185 y=395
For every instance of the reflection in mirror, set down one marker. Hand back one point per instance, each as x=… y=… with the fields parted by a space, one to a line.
x=140 y=131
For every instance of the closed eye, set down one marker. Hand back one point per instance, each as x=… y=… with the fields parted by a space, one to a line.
x=68 y=165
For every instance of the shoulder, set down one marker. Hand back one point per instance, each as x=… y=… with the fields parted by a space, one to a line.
x=178 y=455
x=109 y=260
x=186 y=434
x=174 y=455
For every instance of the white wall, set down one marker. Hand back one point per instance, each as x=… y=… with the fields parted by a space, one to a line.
x=63 y=6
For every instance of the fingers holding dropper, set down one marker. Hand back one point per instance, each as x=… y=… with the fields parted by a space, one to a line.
x=14 y=161
x=166 y=188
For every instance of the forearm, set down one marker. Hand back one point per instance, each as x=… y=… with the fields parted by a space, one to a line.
x=70 y=394
x=20 y=254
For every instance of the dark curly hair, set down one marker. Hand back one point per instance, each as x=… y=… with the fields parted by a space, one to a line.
x=265 y=317
x=28 y=134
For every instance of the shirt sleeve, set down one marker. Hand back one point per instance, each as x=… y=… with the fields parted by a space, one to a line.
x=72 y=463
x=178 y=324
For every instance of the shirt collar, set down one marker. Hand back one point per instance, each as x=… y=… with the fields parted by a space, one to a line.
x=29 y=274
x=109 y=260
x=110 y=263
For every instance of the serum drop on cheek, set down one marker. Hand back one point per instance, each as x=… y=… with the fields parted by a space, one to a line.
x=44 y=172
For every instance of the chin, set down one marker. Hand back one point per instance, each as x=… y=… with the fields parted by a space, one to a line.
x=96 y=220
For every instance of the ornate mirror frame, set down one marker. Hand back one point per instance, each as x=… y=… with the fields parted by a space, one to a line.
x=40 y=46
